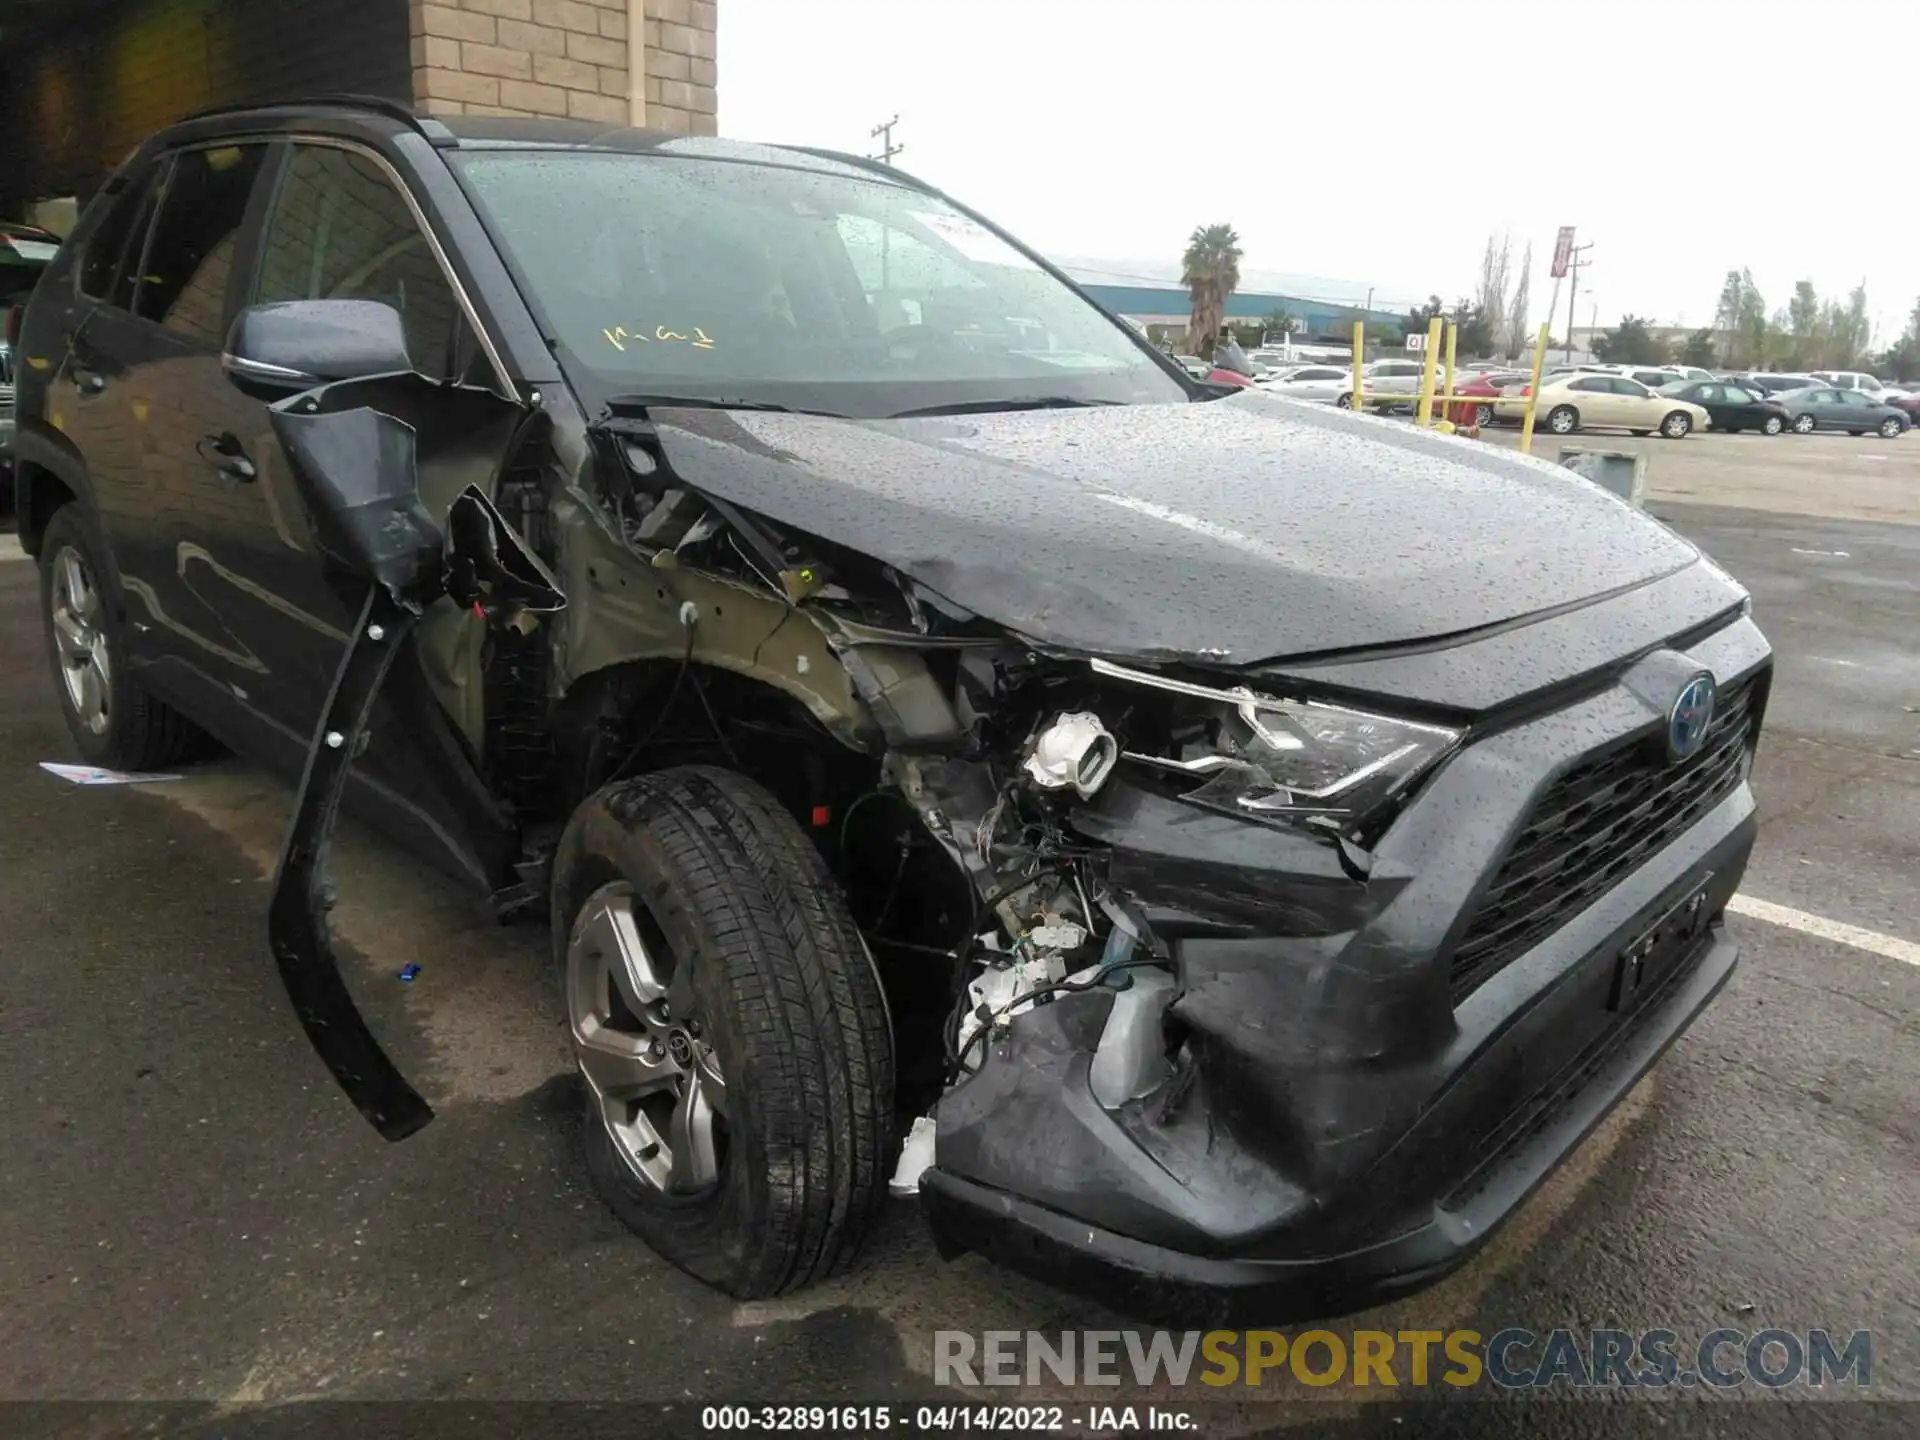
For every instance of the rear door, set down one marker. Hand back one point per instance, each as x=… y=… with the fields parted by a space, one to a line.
x=141 y=384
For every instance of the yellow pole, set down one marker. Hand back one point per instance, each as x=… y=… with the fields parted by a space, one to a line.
x=1424 y=411
x=1533 y=392
x=1359 y=360
x=1446 y=404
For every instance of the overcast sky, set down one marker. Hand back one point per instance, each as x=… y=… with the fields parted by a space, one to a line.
x=1681 y=138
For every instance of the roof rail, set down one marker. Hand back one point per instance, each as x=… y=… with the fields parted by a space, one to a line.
x=863 y=162
x=424 y=125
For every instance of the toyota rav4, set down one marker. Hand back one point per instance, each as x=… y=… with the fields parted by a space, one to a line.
x=1212 y=849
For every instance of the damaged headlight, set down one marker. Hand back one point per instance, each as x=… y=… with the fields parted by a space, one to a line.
x=1295 y=757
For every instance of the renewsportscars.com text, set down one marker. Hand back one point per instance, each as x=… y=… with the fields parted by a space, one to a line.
x=1513 y=1358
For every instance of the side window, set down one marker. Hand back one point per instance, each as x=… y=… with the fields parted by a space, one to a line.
x=1708 y=395
x=1590 y=385
x=123 y=227
x=340 y=231
x=1622 y=386
x=183 y=285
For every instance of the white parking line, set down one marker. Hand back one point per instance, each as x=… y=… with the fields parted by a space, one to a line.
x=1892 y=947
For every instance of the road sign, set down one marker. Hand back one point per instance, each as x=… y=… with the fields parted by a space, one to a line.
x=1416 y=343
x=1562 y=253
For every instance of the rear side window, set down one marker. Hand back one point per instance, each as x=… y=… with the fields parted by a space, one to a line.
x=340 y=231
x=183 y=283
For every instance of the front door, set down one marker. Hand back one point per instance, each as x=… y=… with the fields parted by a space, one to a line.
x=335 y=226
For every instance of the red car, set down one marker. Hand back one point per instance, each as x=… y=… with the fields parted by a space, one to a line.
x=1481 y=390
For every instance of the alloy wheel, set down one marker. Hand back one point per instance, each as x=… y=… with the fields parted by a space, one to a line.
x=656 y=1084
x=1676 y=426
x=1889 y=427
x=85 y=665
x=1803 y=424
x=1560 y=422
x=1774 y=425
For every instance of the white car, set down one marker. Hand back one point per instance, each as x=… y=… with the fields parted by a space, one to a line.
x=1583 y=401
x=1325 y=383
x=1861 y=381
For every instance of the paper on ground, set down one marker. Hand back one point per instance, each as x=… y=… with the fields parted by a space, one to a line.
x=94 y=775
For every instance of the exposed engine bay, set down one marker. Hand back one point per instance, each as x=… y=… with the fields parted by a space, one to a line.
x=975 y=828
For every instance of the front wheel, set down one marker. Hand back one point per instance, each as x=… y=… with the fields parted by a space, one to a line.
x=1803 y=424
x=1677 y=426
x=1774 y=425
x=1345 y=402
x=1890 y=428
x=1482 y=416
x=729 y=1027
x=1563 y=420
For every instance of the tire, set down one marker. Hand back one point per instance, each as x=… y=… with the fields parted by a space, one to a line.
x=1563 y=420
x=1890 y=428
x=1344 y=402
x=759 y=996
x=113 y=721
x=1804 y=424
x=1482 y=416
x=1773 y=425
x=1677 y=426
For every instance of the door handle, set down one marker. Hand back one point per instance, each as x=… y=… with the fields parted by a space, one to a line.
x=87 y=382
x=227 y=455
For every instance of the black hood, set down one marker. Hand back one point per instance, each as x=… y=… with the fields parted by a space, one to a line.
x=1228 y=531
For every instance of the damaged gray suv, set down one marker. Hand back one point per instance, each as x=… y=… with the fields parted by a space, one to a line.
x=1216 y=852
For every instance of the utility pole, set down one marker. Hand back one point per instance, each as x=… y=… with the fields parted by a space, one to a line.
x=1574 y=266
x=884 y=134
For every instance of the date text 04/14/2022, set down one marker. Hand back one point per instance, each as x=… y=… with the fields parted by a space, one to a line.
x=1007 y=1419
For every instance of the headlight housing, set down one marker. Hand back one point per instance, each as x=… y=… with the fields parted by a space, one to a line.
x=1296 y=759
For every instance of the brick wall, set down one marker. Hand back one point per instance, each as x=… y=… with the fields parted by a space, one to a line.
x=619 y=62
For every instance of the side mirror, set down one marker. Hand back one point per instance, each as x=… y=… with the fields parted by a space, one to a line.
x=298 y=344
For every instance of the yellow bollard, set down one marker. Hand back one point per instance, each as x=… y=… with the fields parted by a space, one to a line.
x=1533 y=392
x=1446 y=390
x=1359 y=361
x=1424 y=411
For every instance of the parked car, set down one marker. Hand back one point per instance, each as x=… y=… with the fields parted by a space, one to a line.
x=1481 y=390
x=1770 y=383
x=842 y=689
x=1313 y=382
x=1394 y=381
x=1585 y=401
x=1194 y=365
x=1821 y=407
x=1851 y=380
x=25 y=251
x=1733 y=408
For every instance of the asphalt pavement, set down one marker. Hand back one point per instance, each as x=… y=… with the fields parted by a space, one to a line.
x=192 y=1212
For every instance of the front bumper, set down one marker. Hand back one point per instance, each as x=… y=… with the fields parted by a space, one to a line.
x=1342 y=1128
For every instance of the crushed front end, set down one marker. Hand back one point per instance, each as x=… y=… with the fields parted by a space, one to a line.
x=1282 y=1005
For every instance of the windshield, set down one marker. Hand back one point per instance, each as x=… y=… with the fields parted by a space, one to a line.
x=760 y=284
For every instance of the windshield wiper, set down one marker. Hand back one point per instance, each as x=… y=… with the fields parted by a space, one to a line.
x=983 y=407
x=709 y=402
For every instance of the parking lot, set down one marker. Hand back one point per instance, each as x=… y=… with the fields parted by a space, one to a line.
x=194 y=1214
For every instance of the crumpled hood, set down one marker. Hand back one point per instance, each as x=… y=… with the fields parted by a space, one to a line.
x=1231 y=531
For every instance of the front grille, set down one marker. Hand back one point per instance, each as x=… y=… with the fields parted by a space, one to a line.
x=1594 y=826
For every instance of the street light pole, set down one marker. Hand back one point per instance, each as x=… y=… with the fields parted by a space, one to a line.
x=1574 y=266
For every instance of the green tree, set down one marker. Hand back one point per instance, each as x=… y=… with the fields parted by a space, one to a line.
x=1630 y=342
x=1281 y=323
x=1901 y=360
x=1755 y=334
x=1702 y=349
x=1474 y=330
x=1211 y=272
x=1803 y=325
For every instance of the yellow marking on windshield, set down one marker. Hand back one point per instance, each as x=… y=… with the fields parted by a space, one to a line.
x=618 y=336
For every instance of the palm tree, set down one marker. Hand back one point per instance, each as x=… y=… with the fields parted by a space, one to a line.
x=1211 y=272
